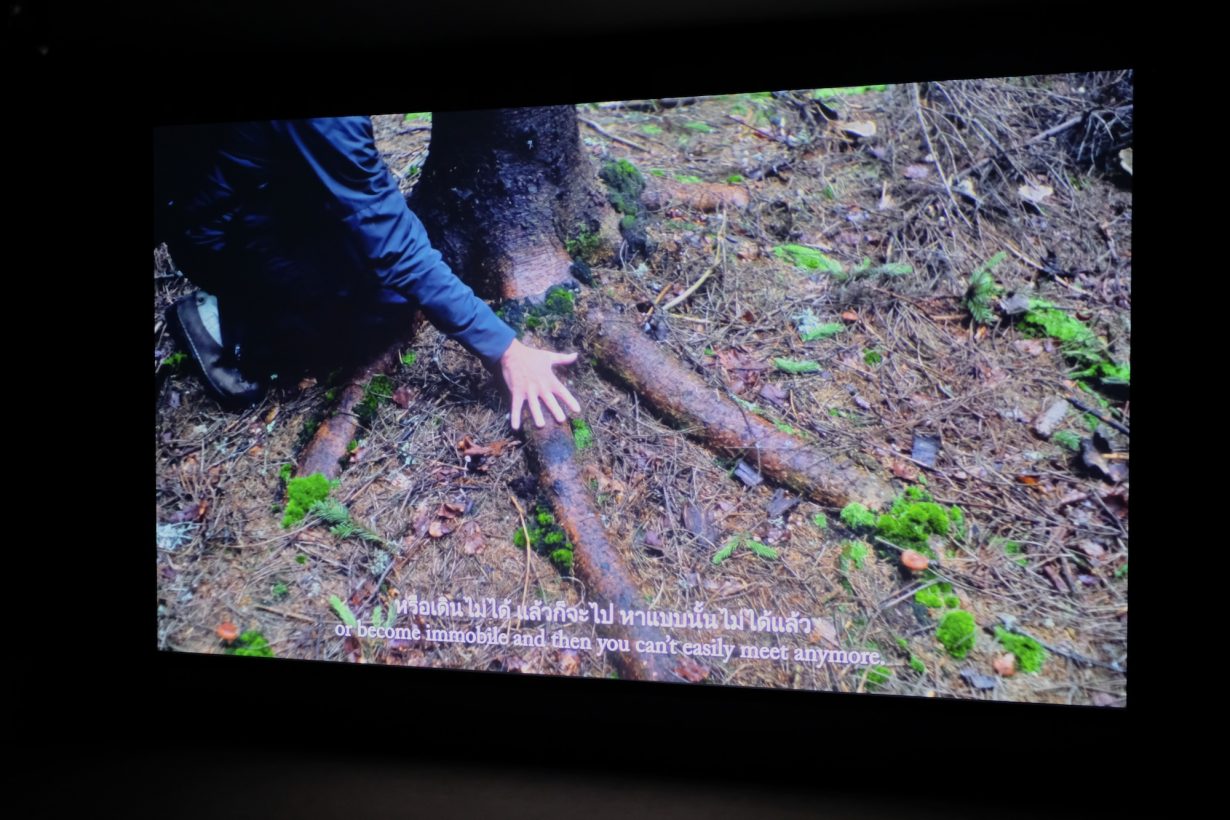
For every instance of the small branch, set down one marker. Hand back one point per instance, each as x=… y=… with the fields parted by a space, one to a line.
x=1079 y=405
x=934 y=157
x=525 y=586
x=764 y=134
x=615 y=137
x=1050 y=132
x=285 y=614
x=719 y=254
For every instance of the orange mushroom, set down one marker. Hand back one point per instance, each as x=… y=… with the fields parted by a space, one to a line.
x=228 y=632
x=914 y=560
x=1005 y=665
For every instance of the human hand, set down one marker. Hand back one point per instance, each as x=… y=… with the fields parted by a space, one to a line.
x=530 y=378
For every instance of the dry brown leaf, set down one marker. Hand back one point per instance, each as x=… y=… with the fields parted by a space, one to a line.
x=450 y=510
x=421 y=521
x=823 y=630
x=304 y=384
x=1093 y=549
x=402 y=396
x=271 y=415
x=569 y=663
x=903 y=470
x=1117 y=502
x=438 y=529
x=691 y=671
x=472 y=542
x=256 y=450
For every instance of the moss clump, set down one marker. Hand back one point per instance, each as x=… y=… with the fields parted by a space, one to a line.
x=915 y=517
x=1079 y=344
x=917 y=665
x=547 y=538
x=624 y=186
x=584 y=245
x=857 y=517
x=251 y=644
x=956 y=633
x=877 y=676
x=560 y=301
x=854 y=552
x=176 y=361
x=301 y=494
x=557 y=308
x=377 y=391
x=286 y=472
x=938 y=596
x=582 y=435
x=1030 y=654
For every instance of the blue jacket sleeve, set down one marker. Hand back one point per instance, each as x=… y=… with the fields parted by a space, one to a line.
x=341 y=153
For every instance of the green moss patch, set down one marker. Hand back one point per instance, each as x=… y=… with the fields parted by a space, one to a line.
x=624 y=186
x=1080 y=345
x=938 y=596
x=802 y=256
x=910 y=522
x=853 y=554
x=582 y=435
x=378 y=391
x=1030 y=654
x=301 y=494
x=956 y=633
x=251 y=644
x=546 y=537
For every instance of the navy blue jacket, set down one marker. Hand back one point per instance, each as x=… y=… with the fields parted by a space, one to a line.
x=309 y=206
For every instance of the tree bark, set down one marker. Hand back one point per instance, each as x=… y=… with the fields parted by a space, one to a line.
x=500 y=193
x=682 y=396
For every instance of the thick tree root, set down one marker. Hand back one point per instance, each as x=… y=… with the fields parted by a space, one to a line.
x=702 y=196
x=720 y=424
x=323 y=454
x=597 y=562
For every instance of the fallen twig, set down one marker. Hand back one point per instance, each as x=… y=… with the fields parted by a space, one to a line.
x=615 y=137
x=718 y=256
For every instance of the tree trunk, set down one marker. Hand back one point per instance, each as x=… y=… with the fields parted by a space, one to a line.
x=500 y=193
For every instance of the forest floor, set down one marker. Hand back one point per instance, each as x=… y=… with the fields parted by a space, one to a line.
x=865 y=239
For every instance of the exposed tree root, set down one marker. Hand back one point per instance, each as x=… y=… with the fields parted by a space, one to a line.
x=682 y=396
x=597 y=562
x=702 y=196
x=324 y=452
